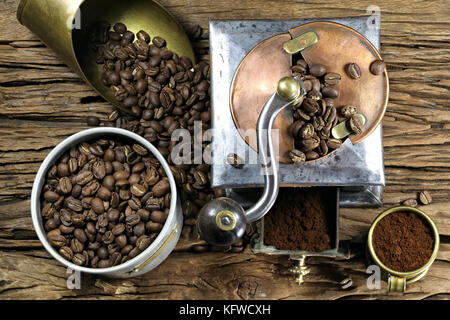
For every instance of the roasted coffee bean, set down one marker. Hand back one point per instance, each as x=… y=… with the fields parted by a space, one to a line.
x=132 y=220
x=108 y=237
x=92 y=121
x=90 y=189
x=73 y=165
x=311 y=155
x=80 y=235
x=143 y=242
x=330 y=114
x=51 y=196
x=425 y=197
x=139 y=229
x=300 y=69
x=109 y=182
x=76 y=245
x=355 y=125
x=104 y=194
x=57 y=240
x=74 y=204
x=310 y=105
x=83 y=177
x=323 y=147
x=307 y=131
x=294 y=129
x=410 y=202
x=50 y=225
x=118 y=229
x=310 y=143
x=138 y=190
x=115 y=258
x=130 y=101
x=143 y=36
x=348 y=111
x=159 y=42
x=334 y=143
x=297 y=156
x=79 y=259
x=314 y=95
x=66 y=253
x=65 y=185
x=158 y=216
x=235 y=161
x=331 y=79
x=317 y=70
x=90 y=227
x=97 y=205
x=120 y=28
x=153 y=226
x=377 y=67
x=353 y=71
x=135 y=251
x=104 y=263
x=330 y=92
x=161 y=188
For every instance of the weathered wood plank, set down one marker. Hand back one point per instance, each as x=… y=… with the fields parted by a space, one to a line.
x=249 y=276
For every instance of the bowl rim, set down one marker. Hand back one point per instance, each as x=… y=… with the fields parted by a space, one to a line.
x=434 y=229
x=56 y=153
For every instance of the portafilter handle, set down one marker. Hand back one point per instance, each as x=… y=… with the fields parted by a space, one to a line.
x=223 y=221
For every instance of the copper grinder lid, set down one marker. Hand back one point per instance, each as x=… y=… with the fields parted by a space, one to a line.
x=257 y=75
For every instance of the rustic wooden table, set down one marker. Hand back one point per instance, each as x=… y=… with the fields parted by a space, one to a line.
x=42 y=102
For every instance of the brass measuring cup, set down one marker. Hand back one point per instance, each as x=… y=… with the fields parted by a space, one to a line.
x=63 y=25
x=397 y=280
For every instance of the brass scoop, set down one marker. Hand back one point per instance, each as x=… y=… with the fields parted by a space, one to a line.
x=63 y=25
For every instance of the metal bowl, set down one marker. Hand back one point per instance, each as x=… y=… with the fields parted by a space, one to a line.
x=161 y=247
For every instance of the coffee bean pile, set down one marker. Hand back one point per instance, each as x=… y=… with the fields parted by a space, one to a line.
x=104 y=202
x=163 y=92
x=316 y=115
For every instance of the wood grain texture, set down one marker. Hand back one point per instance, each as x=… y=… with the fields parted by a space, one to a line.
x=42 y=102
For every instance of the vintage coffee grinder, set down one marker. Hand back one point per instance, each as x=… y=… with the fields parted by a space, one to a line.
x=252 y=90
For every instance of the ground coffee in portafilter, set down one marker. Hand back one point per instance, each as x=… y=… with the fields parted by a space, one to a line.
x=104 y=202
x=302 y=219
x=403 y=241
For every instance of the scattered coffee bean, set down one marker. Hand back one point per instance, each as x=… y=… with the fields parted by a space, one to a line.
x=92 y=121
x=235 y=161
x=425 y=197
x=410 y=202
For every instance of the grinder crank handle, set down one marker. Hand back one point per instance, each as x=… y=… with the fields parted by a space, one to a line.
x=223 y=221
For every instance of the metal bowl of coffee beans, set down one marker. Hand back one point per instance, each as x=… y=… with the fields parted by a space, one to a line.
x=105 y=202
